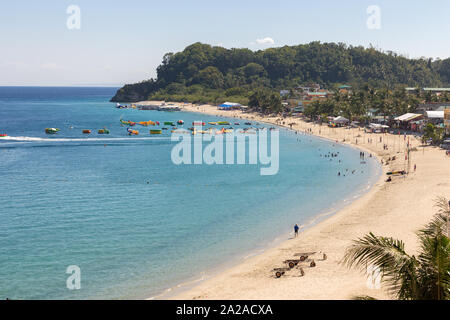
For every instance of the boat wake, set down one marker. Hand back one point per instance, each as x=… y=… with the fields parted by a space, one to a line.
x=37 y=139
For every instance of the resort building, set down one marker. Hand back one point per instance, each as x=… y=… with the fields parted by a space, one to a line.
x=410 y=121
x=435 y=117
x=436 y=106
x=437 y=91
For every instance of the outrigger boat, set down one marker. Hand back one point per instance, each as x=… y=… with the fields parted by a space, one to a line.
x=198 y=123
x=87 y=131
x=3 y=135
x=212 y=123
x=147 y=123
x=156 y=131
x=51 y=130
x=223 y=123
x=128 y=123
x=169 y=123
x=103 y=131
x=132 y=132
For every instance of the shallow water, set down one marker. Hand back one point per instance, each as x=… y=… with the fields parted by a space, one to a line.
x=134 y=222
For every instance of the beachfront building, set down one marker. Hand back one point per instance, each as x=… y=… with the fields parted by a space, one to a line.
x=432 y=106
x=435 y=117
x=436 y=91
x=447 y=121
x=410 y=121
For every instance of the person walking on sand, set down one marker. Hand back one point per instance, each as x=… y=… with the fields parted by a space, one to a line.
x=296 y=230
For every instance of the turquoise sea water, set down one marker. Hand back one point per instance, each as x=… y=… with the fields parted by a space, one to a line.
x=117 y=207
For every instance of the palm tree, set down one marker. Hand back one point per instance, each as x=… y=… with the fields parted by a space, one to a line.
x=425 y=277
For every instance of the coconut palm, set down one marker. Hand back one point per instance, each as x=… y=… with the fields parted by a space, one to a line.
x=409 y=277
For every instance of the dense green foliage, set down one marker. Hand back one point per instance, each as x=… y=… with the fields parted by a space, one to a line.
x=368 y=101
x=265 y=101
x=433 y=134
x=220 y=73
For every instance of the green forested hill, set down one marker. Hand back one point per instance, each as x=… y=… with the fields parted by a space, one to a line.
x=203 y=73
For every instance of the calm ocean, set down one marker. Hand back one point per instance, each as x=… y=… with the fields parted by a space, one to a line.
x=117 y=207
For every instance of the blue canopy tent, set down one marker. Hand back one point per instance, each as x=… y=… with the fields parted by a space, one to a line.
x=230 y=106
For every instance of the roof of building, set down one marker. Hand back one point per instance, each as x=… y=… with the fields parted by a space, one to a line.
x=408 y=117
x=435 y=114
x=436 y=89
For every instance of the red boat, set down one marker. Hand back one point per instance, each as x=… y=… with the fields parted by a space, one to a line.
x=86 y=131
x=3 y=135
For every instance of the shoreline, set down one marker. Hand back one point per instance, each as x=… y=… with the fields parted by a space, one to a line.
x=194 y=281
x=396 y=209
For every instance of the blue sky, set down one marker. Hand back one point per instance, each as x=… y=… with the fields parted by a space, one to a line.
x=124 y=41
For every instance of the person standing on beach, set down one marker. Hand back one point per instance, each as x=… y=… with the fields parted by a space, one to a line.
x=296 y=230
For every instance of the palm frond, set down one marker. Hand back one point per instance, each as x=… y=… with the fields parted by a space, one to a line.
x=441 y=220
x=387 y=254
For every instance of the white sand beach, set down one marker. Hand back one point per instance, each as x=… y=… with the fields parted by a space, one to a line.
x=397 y=209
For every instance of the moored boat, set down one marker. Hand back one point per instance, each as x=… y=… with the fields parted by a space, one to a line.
x=198 y=123
x=223 y=123
x=51 y=130
x=3 y=135
x=86 y=131
x=128 y=123
x=103 y=131
x=180 y=122
x=132 y=132
x=156 y=131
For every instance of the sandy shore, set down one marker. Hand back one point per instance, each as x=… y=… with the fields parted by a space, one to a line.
x=397 y=209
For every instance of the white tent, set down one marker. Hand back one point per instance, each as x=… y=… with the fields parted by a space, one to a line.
x=435 y=114
x=340 y=119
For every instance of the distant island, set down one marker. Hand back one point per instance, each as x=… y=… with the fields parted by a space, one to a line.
x=202 y=73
